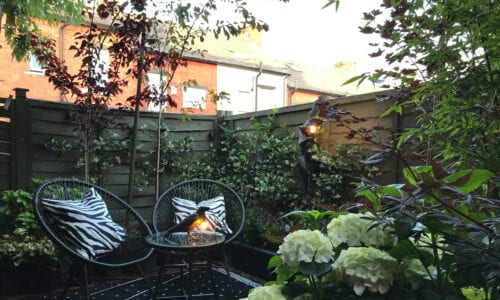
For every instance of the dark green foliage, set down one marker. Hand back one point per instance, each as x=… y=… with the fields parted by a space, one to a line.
x=106 y=150
x=16 y=212
x=174 y=158
x=447 y=214
x=20 y=17
x=445 y=60
x=258 y=164
x=334 y=184
x=22 y=242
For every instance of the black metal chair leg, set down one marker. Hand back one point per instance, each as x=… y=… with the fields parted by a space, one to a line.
x=190 y=280
x=158 y=280
x=144 y=277
x=66 y=287
x=229 y=286
x=86 y=283
x=214 y=286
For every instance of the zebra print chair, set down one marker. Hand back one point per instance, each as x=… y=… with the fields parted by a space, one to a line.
x=128 y=227
x=196 y=192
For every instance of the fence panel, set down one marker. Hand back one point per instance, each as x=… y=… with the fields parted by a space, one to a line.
x=42 y=121
x=51 y=121
x=5 y=145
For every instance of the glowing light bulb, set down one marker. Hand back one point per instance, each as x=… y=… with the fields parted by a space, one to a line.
x=313 y=128
x=203 y=225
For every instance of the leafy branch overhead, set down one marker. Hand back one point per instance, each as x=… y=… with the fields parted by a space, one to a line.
x=21 y=16
x=139 y=36
x=443 y=58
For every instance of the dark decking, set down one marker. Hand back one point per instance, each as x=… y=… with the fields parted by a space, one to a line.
x=172 y=287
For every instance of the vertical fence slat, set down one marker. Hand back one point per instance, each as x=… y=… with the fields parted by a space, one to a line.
x=33 y=121
x=20 y=141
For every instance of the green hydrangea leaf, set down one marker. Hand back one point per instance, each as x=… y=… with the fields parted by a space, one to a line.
x=314 y=269
x=402 y=249
x=404 y=223
x=274 y=262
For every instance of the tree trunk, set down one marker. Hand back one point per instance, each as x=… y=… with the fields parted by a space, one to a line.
x=137 y=106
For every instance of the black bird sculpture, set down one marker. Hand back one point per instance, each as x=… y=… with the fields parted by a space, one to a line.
x=186 y=224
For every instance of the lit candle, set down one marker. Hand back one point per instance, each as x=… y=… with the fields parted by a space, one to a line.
x=200 y=224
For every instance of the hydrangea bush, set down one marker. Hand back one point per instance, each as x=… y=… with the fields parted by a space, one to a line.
x=305 y=246
x=356 y=257
x=366 y=268
x=356 y=230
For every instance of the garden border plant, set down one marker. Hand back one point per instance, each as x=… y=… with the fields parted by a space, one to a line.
x=445 y=215
x=25 y=252
x=262 y=166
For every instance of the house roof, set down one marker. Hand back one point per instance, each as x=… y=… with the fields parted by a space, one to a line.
x=246 y=50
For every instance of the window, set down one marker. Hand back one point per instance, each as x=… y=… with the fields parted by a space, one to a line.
x=250 y=90
x=195 y=97
x=154 y=83
x=35 y=65
x=102 y=65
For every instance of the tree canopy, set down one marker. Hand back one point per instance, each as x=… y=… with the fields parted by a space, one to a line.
x=21 y=15
x=444 y=58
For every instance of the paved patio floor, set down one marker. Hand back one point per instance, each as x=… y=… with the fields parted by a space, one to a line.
x=173 y=287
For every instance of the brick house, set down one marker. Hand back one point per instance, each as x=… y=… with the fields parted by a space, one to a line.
x=254 y=82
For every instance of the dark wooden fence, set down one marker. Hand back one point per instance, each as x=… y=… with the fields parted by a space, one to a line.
x=5 y=144
x=27 y=124
x=369 y=109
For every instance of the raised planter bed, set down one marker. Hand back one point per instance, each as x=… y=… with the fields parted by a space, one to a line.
x=250 y=259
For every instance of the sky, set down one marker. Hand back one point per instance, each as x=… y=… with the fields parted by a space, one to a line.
x=304 y=31
x=301 y=30
x=324 y=43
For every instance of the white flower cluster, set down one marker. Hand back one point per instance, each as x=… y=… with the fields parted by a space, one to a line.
x=355 y=230
x=269 y=292
x=413 y=272
x=366 y=268
x=307 y=246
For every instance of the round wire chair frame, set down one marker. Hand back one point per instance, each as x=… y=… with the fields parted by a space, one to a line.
x=131 y=251
x=163 y=218
x=198 y=190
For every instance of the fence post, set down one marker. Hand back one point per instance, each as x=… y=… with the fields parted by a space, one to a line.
x=21 y=141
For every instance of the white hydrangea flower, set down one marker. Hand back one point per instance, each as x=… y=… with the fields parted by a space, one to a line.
x=269 y=292
x=413 y=272
x=305 y=245
x=366 y=268
x=353 y=230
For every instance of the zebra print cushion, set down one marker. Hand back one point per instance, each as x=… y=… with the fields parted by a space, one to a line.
x=86 y=224
x=216 y=215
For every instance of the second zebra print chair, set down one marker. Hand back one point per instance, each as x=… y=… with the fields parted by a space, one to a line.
x=224 y=215
x=93 y=227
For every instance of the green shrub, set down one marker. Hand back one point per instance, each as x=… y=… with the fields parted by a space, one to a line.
x=16 y=212
x=19 y=249
x=335 y=182
x=22 y=241
x=262 y=166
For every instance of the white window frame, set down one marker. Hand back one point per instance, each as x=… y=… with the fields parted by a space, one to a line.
x=155 y=83
x=35 y=66
x=194 y=96
x=104 y=60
